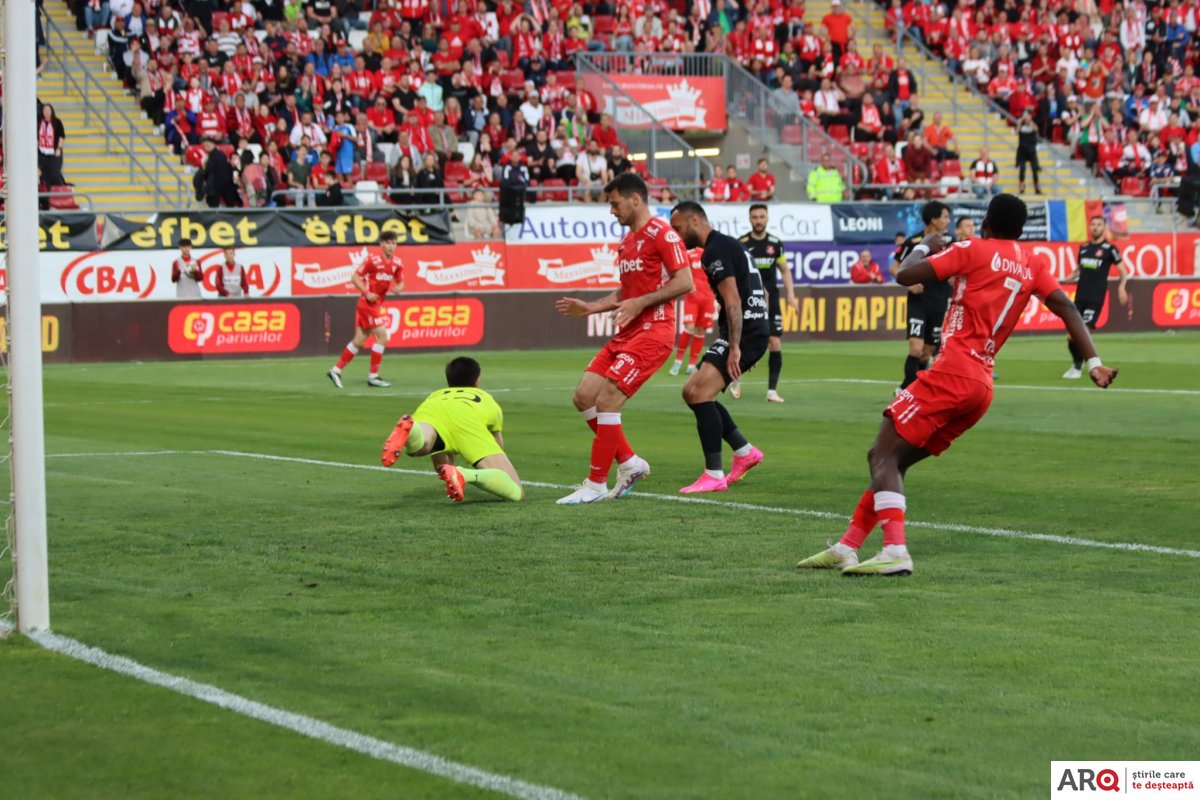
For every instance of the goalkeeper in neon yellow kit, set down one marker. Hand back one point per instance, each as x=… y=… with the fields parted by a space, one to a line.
x=460 y=420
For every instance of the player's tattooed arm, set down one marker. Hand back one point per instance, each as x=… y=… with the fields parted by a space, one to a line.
x=733 y=316
x=1061 y=305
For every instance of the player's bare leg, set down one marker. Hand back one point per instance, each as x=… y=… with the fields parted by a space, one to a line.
x=714 y=424
x=348 y=354
x=381 y=337
x=774 y=367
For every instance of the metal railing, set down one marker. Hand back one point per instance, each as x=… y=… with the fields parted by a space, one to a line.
x=99 y=104
x=458 y=197
x=667 y=154
x=783 y=131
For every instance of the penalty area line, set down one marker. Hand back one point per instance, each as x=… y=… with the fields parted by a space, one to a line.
x=409 y=757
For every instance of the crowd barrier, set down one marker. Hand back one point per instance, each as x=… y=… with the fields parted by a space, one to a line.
x=152 y=330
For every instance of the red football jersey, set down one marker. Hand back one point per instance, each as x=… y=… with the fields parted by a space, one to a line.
x=380 y=274
x=993 y=279
x=647 y=258
x=761 y=184
x=703 y=293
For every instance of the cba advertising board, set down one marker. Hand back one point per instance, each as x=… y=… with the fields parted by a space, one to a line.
x=243 y=328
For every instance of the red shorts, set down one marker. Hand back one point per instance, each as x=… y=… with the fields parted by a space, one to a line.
x=698 y=312
x=369 y=316
x=938 y=408
x=632 y=362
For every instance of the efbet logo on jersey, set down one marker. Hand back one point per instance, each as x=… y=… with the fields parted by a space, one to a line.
x=626 y=265
x=250 y=328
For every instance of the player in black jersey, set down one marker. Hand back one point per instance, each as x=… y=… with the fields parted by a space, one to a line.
x=927 y=302
x=1096 y=260
x=742 y=339
x=767 y=253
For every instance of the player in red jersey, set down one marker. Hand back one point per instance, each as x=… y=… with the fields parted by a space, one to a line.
x=992 y=280
x=654 y=271
x=377 y=276
x=699 y=311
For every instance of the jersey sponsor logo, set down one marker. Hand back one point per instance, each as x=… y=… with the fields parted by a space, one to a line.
x=1009 y=267
x=246 y=328
x=108 y=276
x=602 y=268
x=434 y=323
x=1177 y=304
x=484 y=269
x=627 y=265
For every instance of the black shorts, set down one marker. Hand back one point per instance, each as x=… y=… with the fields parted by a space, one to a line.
x=925 y=319
x=774 y=314
x=1089 y=310
x=753 y=349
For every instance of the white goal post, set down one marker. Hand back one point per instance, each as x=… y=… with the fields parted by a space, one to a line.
x=28 y=467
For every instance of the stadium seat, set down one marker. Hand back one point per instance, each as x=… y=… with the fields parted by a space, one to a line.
x=952 y=168
x=227 y=149
x=554 y=196
x=791 y=134
x=467 y=151
x=355 y=40
x=377 y=171
x=62 y=198
x=367 y=192
x=457 y=170
x=217 y=18
x=641 y=169
x=1135 y=186
x=604 y=24
x=861 y=151
x=391 y=153
x=512 y=81
x=356 y=175
x=839 y=133
x=1056 y=134
x=454 y=197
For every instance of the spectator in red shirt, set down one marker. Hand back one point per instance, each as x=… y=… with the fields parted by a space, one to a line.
x=762 y=183
x=739 y=192
x=604 y=133
x=865 y=270
x=840 y=26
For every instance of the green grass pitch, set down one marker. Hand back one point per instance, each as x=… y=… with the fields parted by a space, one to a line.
x=637 y=649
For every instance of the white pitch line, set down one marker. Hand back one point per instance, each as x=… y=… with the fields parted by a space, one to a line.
x=1003 y=386
x=119 y=454
x=800 y=512
x=299 y=723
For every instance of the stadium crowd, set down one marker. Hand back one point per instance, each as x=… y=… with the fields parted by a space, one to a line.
x=1115 y=80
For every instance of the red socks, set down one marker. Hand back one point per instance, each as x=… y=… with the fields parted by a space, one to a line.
x=890 y=507
x=376 y=357
x=697 y=349
x=862 y=521
x=347 y=356
x=684 y=338
x=605 y=445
